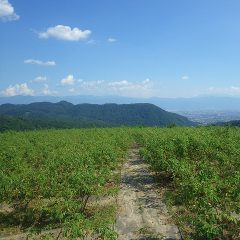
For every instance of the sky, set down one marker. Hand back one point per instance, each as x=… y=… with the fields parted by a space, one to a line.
x=134 y=48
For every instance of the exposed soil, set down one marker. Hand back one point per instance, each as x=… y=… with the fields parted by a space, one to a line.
x=142 y=213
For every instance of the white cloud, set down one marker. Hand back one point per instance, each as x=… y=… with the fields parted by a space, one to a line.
x=7 y=11
x=126 y=85
x=18 y=89
x=122 y=83
x=92 y=41
x=111 y=40
x=92 y=85
x=65 y=33
x=72 y=90
x=122 y=88
x=232 y=90
x=46 y=91
x=39 y=62
x=39 y=79
x=69 y=80
x=147 y=80
x=185 y=77
x=133 y=89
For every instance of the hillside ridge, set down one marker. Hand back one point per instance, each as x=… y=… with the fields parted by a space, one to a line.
x=110 y=114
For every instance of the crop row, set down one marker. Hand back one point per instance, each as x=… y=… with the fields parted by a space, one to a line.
x=201 y=168
x=48 y=177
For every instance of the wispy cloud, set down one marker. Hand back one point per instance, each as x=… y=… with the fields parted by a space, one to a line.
x=146 y=81
x=69 y=80
x=185 y=77
x=91 y=41
x=47 y=92
x=92 y=85
x=39 y=62
x=72 y=90
x=65 y=33
x=39 y=79
x=75 y=86
x=111 y=40
x=7 y=11
x=18 y=89
x=232 y=90
x=128 y=88
x=122 y=83
x=100 y=87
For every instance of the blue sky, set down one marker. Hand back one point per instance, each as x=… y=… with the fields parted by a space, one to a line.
x=137 y=48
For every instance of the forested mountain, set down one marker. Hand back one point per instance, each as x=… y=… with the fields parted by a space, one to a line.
x=29 y=123
x=193 y=104
x=67 y=115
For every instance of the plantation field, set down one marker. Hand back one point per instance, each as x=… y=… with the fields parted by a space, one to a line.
x=201 y=169
x=49 y=179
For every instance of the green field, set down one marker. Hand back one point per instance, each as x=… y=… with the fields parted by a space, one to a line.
x=49 y=178
x=201 y=167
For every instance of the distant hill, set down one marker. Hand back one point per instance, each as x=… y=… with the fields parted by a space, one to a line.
x=22 y=123
x=67 y=115
x=233 y=123
x=200 y=103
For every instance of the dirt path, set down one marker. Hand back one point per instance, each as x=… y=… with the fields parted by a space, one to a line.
x=142 y=214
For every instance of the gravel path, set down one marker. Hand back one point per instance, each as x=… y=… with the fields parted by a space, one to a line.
x=142 y=214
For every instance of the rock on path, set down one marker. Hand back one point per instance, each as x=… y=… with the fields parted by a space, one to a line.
x=142 y=214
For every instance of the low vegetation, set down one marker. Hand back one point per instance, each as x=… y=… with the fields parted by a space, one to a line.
x=49 y=178
x=202 y=170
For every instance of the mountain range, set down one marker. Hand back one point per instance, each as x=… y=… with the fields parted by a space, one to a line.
x=65 y=115
x=201 y=103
